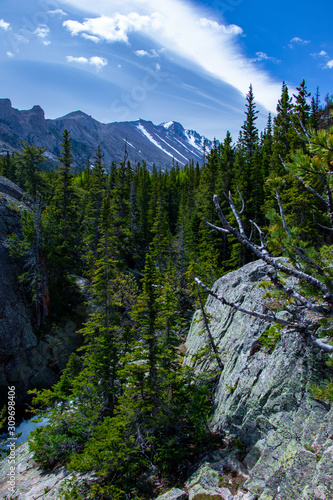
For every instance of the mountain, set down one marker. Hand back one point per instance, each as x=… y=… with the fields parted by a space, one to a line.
x=161 y=145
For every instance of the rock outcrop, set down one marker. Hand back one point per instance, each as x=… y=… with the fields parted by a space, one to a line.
x=264 y=400
x=27 y=361
x=31 y=482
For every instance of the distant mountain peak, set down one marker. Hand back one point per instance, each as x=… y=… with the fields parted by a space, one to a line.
x=74 y=115
x=163 y=145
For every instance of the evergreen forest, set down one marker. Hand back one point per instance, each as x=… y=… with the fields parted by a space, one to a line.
x=129 y=242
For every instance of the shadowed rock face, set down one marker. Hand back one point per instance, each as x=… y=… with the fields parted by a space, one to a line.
x=264 y=398
x=26 y=360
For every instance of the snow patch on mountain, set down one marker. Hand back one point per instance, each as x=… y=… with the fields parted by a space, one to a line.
x=167 y=125
x=151 y=138
x=178 y=153
x=193 y=141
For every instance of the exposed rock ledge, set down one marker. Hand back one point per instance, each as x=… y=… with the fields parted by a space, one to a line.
x=262 y=399
x=32 y=482
x=265 y=399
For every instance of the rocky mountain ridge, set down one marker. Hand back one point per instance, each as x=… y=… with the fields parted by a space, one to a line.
x=163 y=145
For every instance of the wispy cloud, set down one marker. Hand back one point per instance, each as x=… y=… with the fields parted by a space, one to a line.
x=262 y=56
x=42 y=32
x=92 y=38
x=147 y=53
x=321 y=54
x=10 y=54
x=231 y=29
x=324 y=59
x=57 y=12
x=5 y=26
x=184 y=30
x=297 y=41
x=98 y=62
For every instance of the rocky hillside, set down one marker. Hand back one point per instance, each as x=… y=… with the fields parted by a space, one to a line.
x=276 y=439
x=162 y=144
x=27 y=359
x=263 y=399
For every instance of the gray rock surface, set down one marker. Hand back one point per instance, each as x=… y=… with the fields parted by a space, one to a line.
x=174 y=494
x=264 y=398
x=27 y=360
x=31 y=482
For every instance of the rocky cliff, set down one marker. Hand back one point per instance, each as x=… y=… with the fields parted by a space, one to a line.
x=26 y=359
x=263 y=399
x=276 y=439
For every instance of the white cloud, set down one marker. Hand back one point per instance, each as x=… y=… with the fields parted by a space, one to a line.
x=147 y=53
x=183 y=29
x=329 y=64
x=231 y=29
x=42 y=32
x=10 y=54
x=113 y=29
x=57 y=12
x=262 y=56
x=92 y=38
x=98 y=62
x=322 y=53
x=5 y=26
x=297 y=41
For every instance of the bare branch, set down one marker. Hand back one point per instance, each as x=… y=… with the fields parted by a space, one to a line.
x=243 y=204
x=211 y=338
x=269 y=259
x=261 y=234
x=266 y=317
x=320 y=225
x=236 y=214
x=329 y=203
x=306 y=133
x=282 y=213
x=291 y=292
x=215 y=227
x=298 y=251
x=322 y=345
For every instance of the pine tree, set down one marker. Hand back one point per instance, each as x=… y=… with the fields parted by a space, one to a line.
x=28 y=168
x=281 y=132
x=61 y=223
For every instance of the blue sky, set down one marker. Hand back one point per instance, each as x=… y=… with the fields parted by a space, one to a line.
x=190 y=61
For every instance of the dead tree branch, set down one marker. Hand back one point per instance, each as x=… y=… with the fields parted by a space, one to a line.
x=210 y=336
x=264 y=255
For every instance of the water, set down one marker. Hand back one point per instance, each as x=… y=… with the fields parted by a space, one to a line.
x=26 y=427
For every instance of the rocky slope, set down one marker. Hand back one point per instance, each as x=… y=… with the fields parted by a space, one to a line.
x=276 y=438
x=160 y=144
x=26 y=360
x=263 y=398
